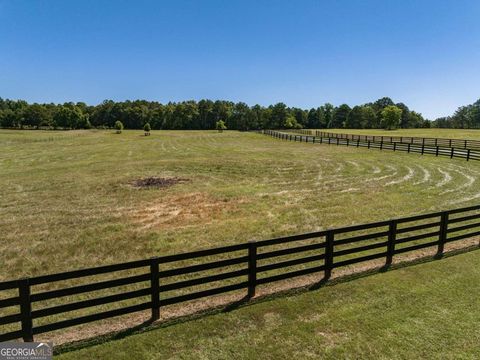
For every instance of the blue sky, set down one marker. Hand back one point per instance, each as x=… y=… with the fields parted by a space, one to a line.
x=304 y=53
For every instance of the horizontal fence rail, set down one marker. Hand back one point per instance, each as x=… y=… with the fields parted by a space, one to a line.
x=377 y=143
x=442 y=142
x=154 y=283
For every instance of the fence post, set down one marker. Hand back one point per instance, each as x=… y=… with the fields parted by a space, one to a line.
x=313 y=140
x=329 y=255
x=408 y=147
x=338 y=141
x=443 y=233
x=252 y=268
x=468 y=154
x=381 y=144
x=451 y=154
x=394 y=146
x=392 y=235
x=358 y=142
x=155 y=288
x=25 y=309
x=369 y=144
x=423 y=148
x=436 y=152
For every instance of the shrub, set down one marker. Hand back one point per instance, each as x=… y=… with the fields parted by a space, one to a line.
x=220 y=126
x=147 y=129
x=118 y=126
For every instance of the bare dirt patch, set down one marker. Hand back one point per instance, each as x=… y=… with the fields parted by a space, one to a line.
x=156 y=182
x=185 y=210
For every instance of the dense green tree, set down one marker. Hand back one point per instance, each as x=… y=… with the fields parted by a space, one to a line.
x=316 y=118
x=382 y=103
x=391 y=116
x=340 y=116
x=355 y=118
x=206 y=114
x=328 y=110
x=405 y=115
x=370 y=118
x=69 y=116
x=300 y=116
x=291 y=122
x=240 y=117
x=278 y=116
x=37 y=115
x=415 y=120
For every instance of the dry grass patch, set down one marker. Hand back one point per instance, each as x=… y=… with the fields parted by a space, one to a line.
x=183 y=210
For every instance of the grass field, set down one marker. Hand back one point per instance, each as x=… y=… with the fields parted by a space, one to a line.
x=67 y=201
x=435 y=133
x=427 y=311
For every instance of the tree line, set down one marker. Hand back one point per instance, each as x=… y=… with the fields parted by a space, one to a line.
x=205 y=114
x=466 y=117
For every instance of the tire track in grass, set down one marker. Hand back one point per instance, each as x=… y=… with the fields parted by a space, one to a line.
x=426 y=176
x=394 y=173
x=470 y=181
x=446 y=178
x=407 y=177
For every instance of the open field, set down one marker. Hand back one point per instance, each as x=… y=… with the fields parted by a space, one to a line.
x=67 y=201
x=471 y=134
x=69 y=198
x=426 y=311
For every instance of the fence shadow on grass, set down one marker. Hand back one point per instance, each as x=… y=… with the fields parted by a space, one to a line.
x=150 y=325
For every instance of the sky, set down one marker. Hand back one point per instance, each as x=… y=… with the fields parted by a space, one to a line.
x=304 y=53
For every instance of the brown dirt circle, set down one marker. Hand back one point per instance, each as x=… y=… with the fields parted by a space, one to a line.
x=156 y=182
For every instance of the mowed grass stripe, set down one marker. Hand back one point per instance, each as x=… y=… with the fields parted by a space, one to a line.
x=67 y=203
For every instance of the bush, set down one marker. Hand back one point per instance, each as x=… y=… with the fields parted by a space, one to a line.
x=220 y=126
x=291 y=123
x=118 y=126
x=147 y=128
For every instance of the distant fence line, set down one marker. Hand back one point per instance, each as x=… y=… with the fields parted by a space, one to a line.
x=379 y=142
x=323 y=251
x=443 y=142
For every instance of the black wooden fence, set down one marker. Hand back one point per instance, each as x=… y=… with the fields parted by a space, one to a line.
x=258 y=263
x=442 y=142
x=379 y=142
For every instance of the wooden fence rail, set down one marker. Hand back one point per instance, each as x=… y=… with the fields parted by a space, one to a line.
x=378 y=143
x=257 y=262
x=442 y=142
